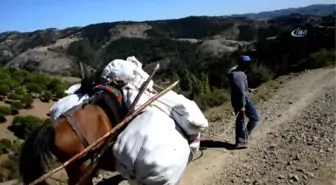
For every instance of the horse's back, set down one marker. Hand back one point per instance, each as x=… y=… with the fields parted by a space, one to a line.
x=90 y=120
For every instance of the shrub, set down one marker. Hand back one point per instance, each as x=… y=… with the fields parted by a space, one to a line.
x=5 y=110
x=34 y=88
x=13 y=96
x=9 y=83
x=27 y=101
x=9 y=168
x=16 y=106
x=46 y=96
x=23 y=126
x=4 y=90
x=5 y=146
x=259 y=75
x=47 y=121
x=214 y=98
x=59 y=93
x=19 y=91
x=53 y=85
x=2 y=118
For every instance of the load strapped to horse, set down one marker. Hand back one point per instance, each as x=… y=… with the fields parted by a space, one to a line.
x=156 y=137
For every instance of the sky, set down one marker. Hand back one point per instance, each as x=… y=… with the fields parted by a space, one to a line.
x=30 y=15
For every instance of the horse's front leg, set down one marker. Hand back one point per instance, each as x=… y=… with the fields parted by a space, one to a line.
x=75 y=174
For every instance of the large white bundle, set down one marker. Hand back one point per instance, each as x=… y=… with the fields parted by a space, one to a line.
x=150 y=151
x=72 y=89
x=121 y=69
x=129 y=71
x=185 y=112
x=135 y=61
x=66 y=103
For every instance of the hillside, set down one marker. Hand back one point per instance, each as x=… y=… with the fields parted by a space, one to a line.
x=58 y=51
x=317 y=10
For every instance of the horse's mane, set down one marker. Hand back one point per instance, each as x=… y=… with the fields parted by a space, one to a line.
x=87 y=84
x=107 y=101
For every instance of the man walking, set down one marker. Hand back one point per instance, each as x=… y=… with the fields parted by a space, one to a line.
x=241 y=102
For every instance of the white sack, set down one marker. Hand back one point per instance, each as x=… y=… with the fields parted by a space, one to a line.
x=135 y=60
x=128 y=72
x=121 y=69
x=185 y=112
x=150 y=151
x=66 y=103
x=72 y=89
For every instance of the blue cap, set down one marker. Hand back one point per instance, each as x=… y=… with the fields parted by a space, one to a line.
x=245 y=58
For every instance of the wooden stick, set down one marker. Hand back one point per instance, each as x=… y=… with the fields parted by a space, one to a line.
x=161 y=88
x=143 y=88
x=116 y=128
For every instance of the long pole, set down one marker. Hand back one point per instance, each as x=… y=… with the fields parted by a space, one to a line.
x=143 y=88
x=116 y=128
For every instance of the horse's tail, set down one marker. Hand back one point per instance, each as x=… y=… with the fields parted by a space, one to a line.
x=35 y=153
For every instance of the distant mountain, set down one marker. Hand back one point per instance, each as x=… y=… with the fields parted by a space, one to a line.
x=175 y=43
x=317 y=9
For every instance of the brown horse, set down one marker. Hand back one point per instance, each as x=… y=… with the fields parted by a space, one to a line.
x=70 y=134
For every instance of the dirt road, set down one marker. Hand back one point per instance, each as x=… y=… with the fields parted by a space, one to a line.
x=294 y=142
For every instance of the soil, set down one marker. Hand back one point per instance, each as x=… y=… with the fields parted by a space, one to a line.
x=40 y=109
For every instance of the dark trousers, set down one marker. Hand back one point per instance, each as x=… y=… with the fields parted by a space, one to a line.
x=242 y=131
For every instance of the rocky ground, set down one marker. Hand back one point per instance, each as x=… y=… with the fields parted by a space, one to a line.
x=300 y=151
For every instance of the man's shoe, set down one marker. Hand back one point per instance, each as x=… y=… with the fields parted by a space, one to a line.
x=240 y=146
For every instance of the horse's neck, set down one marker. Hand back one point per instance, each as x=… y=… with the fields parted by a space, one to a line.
x=111 y=107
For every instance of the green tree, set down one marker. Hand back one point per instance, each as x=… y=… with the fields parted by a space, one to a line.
x=20 y=75
x=5 y=146
x=59 y=93
x=47 y=96
x=23 y=126
x=34 y=88
x=19 y=90
x=2 y=118
x=27 y=101
x=4 y=90
x=186 y=81
x=53 y=85
x=204 y=80
x=13 y=96
x=83 y=50
x=5 y=110
x=16 y=106
x=9 y=83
